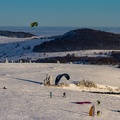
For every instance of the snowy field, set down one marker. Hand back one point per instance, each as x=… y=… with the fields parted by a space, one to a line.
x=26 y=98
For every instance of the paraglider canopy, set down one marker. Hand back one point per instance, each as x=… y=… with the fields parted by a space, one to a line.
x=60 y=76
x=33 y=24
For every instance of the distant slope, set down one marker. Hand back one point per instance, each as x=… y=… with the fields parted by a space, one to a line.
x=81 y=39
x=17 y=48
x=15 y=34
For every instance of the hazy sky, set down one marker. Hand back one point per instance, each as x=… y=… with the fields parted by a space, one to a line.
x=78 y=13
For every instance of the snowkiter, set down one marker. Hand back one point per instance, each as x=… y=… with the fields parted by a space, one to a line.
x=50 y=94
x=64 y=94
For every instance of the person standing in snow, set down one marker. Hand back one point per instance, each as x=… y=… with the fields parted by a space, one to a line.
x=64 y=94
x=50 y=94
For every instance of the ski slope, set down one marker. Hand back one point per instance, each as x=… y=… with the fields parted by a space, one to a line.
x=26 y=98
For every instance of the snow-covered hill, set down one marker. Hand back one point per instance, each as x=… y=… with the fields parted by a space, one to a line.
x=21 y=48
x=26 y=98
x=17 y=48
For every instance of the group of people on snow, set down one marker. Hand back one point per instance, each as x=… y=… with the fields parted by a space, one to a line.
x=51 y=94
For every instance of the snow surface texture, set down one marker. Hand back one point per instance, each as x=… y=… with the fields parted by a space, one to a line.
x=26 y=98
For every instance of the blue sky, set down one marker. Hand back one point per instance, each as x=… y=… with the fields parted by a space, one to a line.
x=76 y=13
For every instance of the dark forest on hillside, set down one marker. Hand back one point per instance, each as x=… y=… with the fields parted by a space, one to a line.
x=81 y=39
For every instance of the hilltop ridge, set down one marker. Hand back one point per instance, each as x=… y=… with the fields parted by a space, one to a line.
x=81 y=39
x=15 y=34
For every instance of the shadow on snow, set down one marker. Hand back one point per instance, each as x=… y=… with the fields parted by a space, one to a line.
x=32 y=81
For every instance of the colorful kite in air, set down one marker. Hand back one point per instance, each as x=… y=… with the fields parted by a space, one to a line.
x=33 y=24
